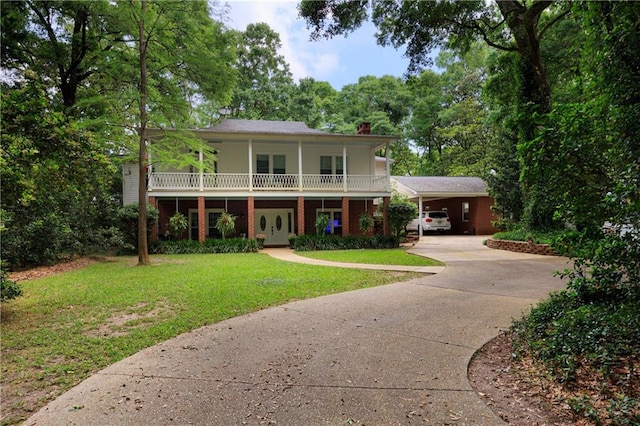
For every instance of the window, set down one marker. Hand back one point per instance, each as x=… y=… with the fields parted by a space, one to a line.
x=279 y=164
x=335 y=220
x=465 y=211
x=262 y=164
x=211 y=217
x=330 y=165
x=339 y=166
x=325 y=165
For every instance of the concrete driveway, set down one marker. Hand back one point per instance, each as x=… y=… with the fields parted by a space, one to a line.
x=395 y=354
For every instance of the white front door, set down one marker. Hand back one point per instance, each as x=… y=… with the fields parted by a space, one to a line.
x=275 y=224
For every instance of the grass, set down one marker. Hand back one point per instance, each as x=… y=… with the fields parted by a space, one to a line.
x=68 y=326
x=397 y=256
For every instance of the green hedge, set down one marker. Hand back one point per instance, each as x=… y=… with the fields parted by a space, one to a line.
x=230 y=245
x=348 y=242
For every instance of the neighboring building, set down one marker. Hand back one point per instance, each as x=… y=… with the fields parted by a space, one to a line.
x=275 y=177
x=465 y=199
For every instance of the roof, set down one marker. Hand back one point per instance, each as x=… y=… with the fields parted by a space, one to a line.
x=442 y=184
x=264 y=127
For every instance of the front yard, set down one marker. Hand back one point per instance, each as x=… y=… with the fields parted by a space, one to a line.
x=70 y=325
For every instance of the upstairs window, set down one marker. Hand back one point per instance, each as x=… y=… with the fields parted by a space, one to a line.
x=262 y=163
x=279 y=167
x=325 y=165
x=330 y=165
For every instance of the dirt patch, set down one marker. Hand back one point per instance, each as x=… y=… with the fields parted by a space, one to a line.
x=59 y=268
x=508 y=389
x=121 y=323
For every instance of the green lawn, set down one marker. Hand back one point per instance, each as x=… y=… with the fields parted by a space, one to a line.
x=68 y=326
x=397 y=256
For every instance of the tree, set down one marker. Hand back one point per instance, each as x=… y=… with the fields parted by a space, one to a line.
x=312 y=102
x=513 y=26
x=401 y=211
x=60 y=41
x=177 y=45
x=264 y=79
x=57 y=181
x=82 y=53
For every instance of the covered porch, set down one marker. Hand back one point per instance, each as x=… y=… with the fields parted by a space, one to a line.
x=273 y=218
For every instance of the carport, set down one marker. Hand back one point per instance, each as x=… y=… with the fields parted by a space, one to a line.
x=466 y=199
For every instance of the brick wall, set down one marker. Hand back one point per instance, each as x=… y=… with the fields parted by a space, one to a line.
x=521 y=247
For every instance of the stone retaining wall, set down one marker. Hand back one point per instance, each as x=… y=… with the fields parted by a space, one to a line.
x=521 y=247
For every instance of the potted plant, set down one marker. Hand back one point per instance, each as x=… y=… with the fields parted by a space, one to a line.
x=292 y=240
x=366 y=223
x=226 y=224
x=260 y=239
x=322 y=221
x=178 y=223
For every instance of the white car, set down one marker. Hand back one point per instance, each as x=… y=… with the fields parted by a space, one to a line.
x=431 y=221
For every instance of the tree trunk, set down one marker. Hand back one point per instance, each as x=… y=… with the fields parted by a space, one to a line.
x=523 y=24
x=143 y=248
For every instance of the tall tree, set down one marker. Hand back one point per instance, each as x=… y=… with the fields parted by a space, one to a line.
x=177 y=45
x=264 y=79
x=57 y=181
x=61 y=41
x=508 y=25
x=312 y=102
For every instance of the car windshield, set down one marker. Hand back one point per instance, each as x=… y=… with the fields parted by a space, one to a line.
x=438 y=215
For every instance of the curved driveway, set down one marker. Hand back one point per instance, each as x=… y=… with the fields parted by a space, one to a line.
x=395 y=354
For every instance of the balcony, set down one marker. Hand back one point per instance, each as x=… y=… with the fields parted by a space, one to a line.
x=225 y=182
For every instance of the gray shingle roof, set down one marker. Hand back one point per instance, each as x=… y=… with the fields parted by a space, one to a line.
x=263 y=126
x=442 y=184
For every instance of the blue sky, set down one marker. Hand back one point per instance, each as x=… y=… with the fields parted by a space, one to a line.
x=340 y=60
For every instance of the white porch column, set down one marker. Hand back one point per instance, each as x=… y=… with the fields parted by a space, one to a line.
x=201 y=175
x=419 y=216
x=300 y=165
x=250 y=165
x=344 y=166
x=387 y=156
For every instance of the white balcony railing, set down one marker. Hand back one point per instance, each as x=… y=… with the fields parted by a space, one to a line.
x=266 y=182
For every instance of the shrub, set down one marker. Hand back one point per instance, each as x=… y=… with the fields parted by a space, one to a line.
x=231 y=245
x=366 y=223
x=8 y=289
x=348 y=242
x=128 y=218
x=401 y=211
x=178 y=223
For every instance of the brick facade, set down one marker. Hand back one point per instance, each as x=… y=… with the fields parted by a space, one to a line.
x=301 y=215
x=251 y=214
x=521 y=247
x=202 y=220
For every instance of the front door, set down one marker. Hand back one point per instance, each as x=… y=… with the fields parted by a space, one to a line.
x=275 y=225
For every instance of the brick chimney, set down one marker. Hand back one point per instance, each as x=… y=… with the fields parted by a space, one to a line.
x=364 y=128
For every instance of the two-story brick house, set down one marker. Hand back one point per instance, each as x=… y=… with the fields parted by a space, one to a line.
x=275 y=177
